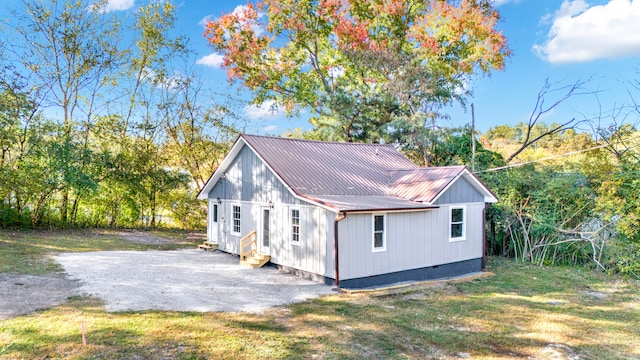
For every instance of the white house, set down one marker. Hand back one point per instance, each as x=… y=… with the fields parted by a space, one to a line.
x=354 y=215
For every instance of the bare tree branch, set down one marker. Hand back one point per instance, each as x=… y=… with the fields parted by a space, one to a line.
x=540 y=110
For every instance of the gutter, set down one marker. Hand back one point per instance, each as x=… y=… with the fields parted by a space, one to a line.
x=336 y=252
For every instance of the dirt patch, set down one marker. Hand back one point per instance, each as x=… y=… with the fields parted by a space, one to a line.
x=558 y=351
x=149 y=238
x=23 y=294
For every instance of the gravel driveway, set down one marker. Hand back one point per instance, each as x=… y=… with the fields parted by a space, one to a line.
x=185 y=280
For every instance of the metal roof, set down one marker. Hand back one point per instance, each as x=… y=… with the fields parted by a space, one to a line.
x=349 y=176
x=424 y=184
x=329 y=168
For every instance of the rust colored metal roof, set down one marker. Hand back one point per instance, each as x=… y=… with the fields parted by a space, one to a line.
x=330 y=168
x=349 y=176
x=423 y=184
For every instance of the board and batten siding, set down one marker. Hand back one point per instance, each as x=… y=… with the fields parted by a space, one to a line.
x=248 y=182
x=249 y=179
x=460 y=192
x=311 y=254
x=413 y=240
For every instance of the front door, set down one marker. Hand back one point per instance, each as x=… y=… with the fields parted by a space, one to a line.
x=214 y=222
x=265 y=231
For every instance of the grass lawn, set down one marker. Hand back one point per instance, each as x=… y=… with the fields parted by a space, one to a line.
x=28 y=252
x=522 y=311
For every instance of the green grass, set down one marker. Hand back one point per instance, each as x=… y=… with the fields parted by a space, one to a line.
x=28 y=252
x=522 y=311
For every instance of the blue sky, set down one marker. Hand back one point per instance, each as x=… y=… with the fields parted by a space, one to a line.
x=563 y=41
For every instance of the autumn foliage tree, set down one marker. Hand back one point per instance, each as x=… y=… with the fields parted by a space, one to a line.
x=358 y=64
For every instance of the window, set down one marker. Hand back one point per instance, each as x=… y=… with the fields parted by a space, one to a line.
x=379 y=238
x=235 y=210
x=457 y=227
x=295 y=226
x=215 y=212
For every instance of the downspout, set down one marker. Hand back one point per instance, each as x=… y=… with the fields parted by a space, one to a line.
x=484 y=238
x=336 y=252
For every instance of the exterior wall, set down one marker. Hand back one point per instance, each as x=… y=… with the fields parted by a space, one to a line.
x=413 y=240
x=416 y=242
x=311 y=254
x=253 y=186
x=249 y=179
x=460 y=192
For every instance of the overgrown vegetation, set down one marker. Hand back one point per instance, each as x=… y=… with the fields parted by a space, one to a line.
x=106 y=131
x=522 y=311
x=573 y=203
x=98 y=129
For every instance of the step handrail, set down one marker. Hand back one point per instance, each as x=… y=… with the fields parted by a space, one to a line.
x=250 y=240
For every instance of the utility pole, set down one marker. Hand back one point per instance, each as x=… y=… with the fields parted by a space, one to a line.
x=473 y=140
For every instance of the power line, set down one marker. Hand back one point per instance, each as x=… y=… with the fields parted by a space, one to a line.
x=545 y=159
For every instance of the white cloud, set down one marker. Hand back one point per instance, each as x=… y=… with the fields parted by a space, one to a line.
x=239 y=10
x=212 y=60
x=270 y=129
x=205 y=20
x=502 y=2
x=580 y=33
x=268 y=109
x=256 y=27
x=113 y=5
x=569 y=8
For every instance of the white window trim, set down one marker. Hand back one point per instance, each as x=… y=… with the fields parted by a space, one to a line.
x=373 y=232
x=233 y=219
x=464 y=223
x=296 y=243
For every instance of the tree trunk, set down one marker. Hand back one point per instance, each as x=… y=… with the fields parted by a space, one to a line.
x=74 y=210
x=64 y=208
x=153 y=210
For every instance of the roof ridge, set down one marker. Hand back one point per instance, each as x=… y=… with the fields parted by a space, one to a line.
x=430 y=168
x=244 y=135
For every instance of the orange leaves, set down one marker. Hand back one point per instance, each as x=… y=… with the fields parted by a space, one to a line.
x=284 y=48
x=465 y=30
x=330 y=9
x=352 y=34
x=237 y=35
x=394 y=7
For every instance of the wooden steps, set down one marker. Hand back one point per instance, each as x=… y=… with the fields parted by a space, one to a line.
x=208 y=246
x=255 y=260
x=249 y=256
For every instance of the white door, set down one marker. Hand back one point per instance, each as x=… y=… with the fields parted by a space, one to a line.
x=214 y=225
x=264 y=239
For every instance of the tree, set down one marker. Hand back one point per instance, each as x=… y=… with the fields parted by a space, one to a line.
x=70 y=53
x=150 y=56
x=446 y=146
x=342 y=59
x=541 y=109
x=618 y=200
x=25 y=138
x=101 y=156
